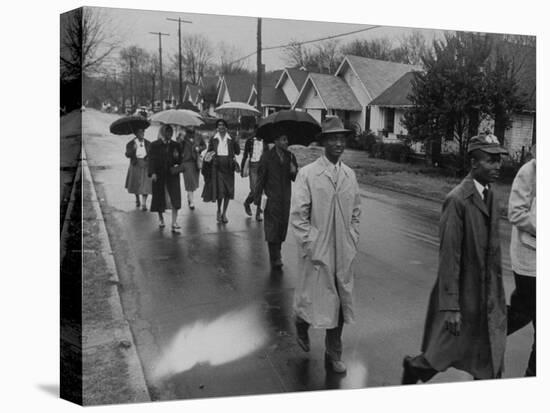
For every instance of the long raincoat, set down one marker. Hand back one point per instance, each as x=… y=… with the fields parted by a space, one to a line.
x=325 y=220
x=275 y=179
x=469 y=280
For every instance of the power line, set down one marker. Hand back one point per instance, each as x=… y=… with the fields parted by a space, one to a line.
x=305 y=42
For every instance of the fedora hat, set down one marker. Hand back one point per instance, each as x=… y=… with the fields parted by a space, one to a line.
x=331 y=125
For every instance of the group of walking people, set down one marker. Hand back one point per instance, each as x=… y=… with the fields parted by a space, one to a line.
x=467 y=319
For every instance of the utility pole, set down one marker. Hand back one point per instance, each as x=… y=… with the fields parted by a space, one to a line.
x=259 y=68
x=180 y=21
x=160 y=67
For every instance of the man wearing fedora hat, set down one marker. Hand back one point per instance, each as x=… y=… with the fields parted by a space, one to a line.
x=325 y=212
x=465 y=325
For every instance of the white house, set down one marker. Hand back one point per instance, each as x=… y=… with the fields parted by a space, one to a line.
x=323 y=95
x=388 y=109
x=368 y=78
x=291 y=82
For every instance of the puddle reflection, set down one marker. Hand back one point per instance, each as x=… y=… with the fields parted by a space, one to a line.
x=228 y=338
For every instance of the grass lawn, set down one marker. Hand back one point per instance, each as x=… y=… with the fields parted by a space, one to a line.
x=411 y=178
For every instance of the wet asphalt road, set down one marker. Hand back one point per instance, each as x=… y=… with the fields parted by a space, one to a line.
x=175 y=288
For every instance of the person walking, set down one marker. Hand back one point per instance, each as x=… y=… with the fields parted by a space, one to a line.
x=137 y=179
x=254 y=148
x=192 y=146
x=522 y=214
x=165 y=165
x=222 y=149
x=276 y=171
x=466 y=321
x=325 y=216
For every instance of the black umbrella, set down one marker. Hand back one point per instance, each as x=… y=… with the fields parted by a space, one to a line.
x=300 y=127
x=128 y=125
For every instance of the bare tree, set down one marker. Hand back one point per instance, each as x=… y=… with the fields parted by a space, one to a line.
x=297 y=55
x=380 y=48
x=229 y=61
x=328 y=56
x=135 y=61
x=85 y=43
x=415 y=47
x=197 y=55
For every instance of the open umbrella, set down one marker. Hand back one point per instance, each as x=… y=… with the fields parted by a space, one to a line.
x=181 y=117
x=300 y=127
x=237 y=109
x=128 y=125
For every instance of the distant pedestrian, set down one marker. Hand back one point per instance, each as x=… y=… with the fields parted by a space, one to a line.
x=466 y=322
x=192 y=146
x=254 y=148
x=222 y=149
x=277 y=169
x=522 y=214
x=137 y=180
x=325 y=214
x=165 y=161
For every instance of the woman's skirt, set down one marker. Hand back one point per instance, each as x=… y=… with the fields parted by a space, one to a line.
x=137 y=181
x=190 y=176
x=224 y=177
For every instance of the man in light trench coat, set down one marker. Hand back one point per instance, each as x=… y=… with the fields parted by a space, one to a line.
x=325 y=212
x=466 y=322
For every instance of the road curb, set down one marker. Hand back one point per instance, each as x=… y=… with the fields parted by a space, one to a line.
x=120 y=332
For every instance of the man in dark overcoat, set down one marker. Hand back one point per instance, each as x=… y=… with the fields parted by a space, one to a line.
x=466 y=322
x=165 y=159
x=278 y=168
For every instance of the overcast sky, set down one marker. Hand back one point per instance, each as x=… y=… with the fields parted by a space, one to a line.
x=133 y=27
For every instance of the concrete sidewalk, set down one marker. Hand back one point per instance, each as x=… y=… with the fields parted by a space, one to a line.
x=112 y=371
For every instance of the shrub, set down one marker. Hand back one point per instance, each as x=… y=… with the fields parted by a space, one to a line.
x=396 y=152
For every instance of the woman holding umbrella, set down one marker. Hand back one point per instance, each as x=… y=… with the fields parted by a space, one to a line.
x=165 y=165
x=137 y=180
x=221 y=185
x=192 y=145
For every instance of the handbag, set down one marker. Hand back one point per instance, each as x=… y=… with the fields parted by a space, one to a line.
x=199 y=161
x=246 y=168
x=176 y=169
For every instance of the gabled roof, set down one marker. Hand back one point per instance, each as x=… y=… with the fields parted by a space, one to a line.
x=272 y=96
x=209 y=82
x=239 y=86
x=375 y=75
x=297 y=76
x=192 y=92
x=332 y=90
x=397 y=95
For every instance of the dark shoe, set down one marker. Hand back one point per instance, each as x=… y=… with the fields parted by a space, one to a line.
x=302 y=338
x=144 y=207
x=224 y=219
x=247 y=209
x=138 y=204
x=259 y=217
x=277 y=264
x=337 y=366
x=219 y=217
x=191 y=206
x=409 y=376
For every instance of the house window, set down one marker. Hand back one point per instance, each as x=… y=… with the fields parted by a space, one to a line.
x=367 y=118
x=389 y=120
